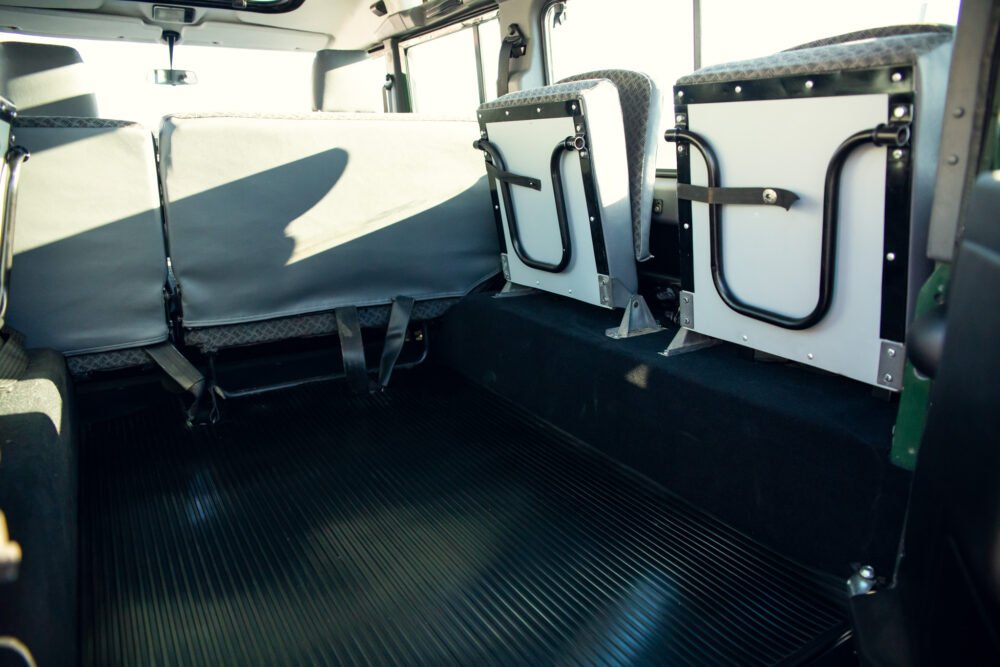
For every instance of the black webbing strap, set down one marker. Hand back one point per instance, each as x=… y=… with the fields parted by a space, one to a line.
x=13 y=358
x=183 y=372
x=352 y=348
x=744 y=196
x=395 y=336
x=514 y=46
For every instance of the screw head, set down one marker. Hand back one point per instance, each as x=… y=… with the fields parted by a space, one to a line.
x=680 y=148
x=687 y=226
x=867 y=572
x=891 y=352
x=891 y=257
x=809 y=356
x=769 y=196
x=900 y=111
x=506 y=113
x=679 y=118
x=680 y=93
x=958 y=112
x=745 y=337
x=572 y=107
x=686 y=320
x=952 y=159
x=686 y=299
x=738 y=89
x=887 y=377
x=809 y=85
x=896 y=77
x=896 y=154
x=538 y=109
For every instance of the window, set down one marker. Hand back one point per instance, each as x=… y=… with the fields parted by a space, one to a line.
x=228 y=79
x=651 y=36
x=356 y=87
x=740 y=30
x=454 y=70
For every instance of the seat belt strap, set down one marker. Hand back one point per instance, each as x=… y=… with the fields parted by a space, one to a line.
x=183 y=372
x=352 y=348
x=514 y=46
x=395 y=337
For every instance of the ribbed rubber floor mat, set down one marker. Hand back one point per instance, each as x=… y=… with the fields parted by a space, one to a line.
x=430 y=525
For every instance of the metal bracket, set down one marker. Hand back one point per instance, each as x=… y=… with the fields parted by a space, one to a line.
x=604 y=289
x=512 y=289
x=686 y=341
x=862 y=582
x=10 y=553
x=637 y=321
x=891 y=363
x=687 y=310
x=505 y=266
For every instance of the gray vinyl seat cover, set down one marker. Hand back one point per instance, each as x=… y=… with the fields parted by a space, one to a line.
x=271 y=216
x=46 y=80
x=641 y=105
x=89 y=262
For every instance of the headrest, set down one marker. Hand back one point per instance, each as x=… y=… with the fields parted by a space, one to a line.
x=339 y=87
x=45 y=80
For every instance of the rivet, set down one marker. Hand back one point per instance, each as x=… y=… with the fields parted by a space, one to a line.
x=679 y=118
x=571 y=291
x=809 y=356
x=680 y=148
x=769 y=196
x=572 y=107
x=887 y=377
x=578 y=128
x=496 y=208
x=867 y=572
x=686 y=299
x=896 y=154
x=680 y=93
x=538 y=109
x=891 y=256
x=506 y=113
x=480 y=115
x=538 y=282
x=953 y=159
x=687 y=226
x=591 y=218
x=958 y=112
x=687 y=320
x=899 y=112
x=738 y=89
x=891 y=352
x=809 y=85
x=745 y=337
x=896 y=77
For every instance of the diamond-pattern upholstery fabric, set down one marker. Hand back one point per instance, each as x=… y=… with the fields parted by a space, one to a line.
x=885 y=52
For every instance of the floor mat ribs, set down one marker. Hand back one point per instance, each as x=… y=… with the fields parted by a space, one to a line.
x=433 y=524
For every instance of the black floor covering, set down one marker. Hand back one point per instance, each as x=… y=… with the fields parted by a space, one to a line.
x=430 y=525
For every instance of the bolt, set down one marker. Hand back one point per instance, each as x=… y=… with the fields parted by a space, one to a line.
x=891 y=352
x=896 y=154
x=887 y=377
x=953 y=159
x=867 y=572
x=809 y=85
x=896 y=77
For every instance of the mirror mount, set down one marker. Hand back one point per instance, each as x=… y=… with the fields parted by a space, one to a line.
x=173 y=77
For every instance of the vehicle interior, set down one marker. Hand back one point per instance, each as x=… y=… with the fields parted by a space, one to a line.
x=520 y=332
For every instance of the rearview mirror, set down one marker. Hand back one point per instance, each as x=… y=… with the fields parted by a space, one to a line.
x=174 y=77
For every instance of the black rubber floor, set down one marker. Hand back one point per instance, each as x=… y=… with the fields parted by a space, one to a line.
x=431 y=525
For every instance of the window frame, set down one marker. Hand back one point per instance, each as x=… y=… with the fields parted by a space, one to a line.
x=473 y=23
x=266 y=7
